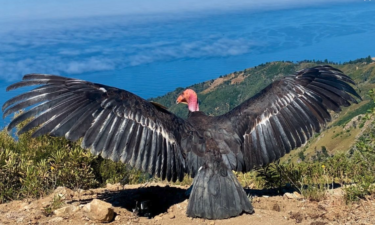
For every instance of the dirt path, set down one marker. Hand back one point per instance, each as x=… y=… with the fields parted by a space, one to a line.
x=169 y=207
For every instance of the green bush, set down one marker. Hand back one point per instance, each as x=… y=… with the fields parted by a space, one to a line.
x=32 y=167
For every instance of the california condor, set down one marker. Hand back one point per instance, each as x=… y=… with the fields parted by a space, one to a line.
x=121 y=126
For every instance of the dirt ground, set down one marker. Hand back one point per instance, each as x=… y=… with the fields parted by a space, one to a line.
x=168 y=206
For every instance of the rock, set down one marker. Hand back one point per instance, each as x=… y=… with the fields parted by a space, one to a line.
x=24 y=205
x=172 y=216
x=289 y=195
x=56 y=220
x=15 y=215
x=330 y=216
x=45 y=202
x=338 y=192
x=294 y=195
x=66 y=211
x=63 y=193
x=212 y=223
x=113 y=186
x=276 y=207
x=157 y=218
x=87 y=192
x=99 y=210
x=297 y=195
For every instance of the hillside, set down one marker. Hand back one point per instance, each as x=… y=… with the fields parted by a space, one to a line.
x=219 y=95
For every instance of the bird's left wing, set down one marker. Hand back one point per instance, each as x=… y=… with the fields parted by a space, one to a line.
x=113 y=122
x=283 y=116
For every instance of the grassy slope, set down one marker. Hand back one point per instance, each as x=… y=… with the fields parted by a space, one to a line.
x=226 y=93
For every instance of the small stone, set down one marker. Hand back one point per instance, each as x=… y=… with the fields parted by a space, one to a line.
x=172 y=216
x=46 y=202
x=76 y=204
x=66 y=211
x=87 y=192
x=63 y=193
x=276 y=207
x=158 y=218
x=297 y=195
x=113 y=186
x=330 y=216
x=99 y=210
x=289 y=195
x=85 y=218
x=24 y=205
x=338 y=192
x=117 y=218
x=212 y=223
x=37 y=217
x=56 y=220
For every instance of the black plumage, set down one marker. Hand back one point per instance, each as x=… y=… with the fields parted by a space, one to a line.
x=124 y=127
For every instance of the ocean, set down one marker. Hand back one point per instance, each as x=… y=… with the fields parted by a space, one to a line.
x=153 y=56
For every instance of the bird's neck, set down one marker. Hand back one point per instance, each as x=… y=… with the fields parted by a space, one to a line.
x=193 y=104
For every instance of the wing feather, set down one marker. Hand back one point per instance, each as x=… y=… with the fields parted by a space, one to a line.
x=63 y=127
x=112 y=122
x=278 y=130
x=116 y=150
x=59 y=115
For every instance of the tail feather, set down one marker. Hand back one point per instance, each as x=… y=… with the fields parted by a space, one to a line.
x=217 y=194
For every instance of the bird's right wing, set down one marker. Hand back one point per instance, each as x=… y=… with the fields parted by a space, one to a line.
x=113 y=123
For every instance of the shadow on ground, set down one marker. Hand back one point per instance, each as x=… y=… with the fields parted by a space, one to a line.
x=286 y=189
x=148 y=201
x=154 y=200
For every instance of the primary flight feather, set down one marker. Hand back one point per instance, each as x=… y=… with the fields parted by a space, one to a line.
x=124 y=127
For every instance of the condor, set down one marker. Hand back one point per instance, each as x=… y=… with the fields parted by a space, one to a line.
x=121 y=126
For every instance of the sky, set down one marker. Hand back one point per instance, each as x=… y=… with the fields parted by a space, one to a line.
x=16 y=10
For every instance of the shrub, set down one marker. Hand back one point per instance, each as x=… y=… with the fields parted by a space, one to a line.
x=32 y=167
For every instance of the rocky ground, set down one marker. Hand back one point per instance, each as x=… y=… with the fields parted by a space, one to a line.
x=115 y=205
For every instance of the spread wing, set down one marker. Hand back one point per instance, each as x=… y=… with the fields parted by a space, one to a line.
x=284 y=115
x=113 y=123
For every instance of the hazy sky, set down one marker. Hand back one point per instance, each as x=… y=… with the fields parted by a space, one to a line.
x=83 y=36
x=12 y=10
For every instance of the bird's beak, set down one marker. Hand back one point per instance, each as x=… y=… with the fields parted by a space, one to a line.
x=181 y=99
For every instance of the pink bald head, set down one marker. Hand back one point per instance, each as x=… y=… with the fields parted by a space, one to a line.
x=190 y=98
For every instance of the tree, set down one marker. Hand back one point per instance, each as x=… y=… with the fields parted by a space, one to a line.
x=369 y=59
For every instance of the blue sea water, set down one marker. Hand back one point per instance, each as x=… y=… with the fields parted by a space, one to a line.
x=154 y=56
